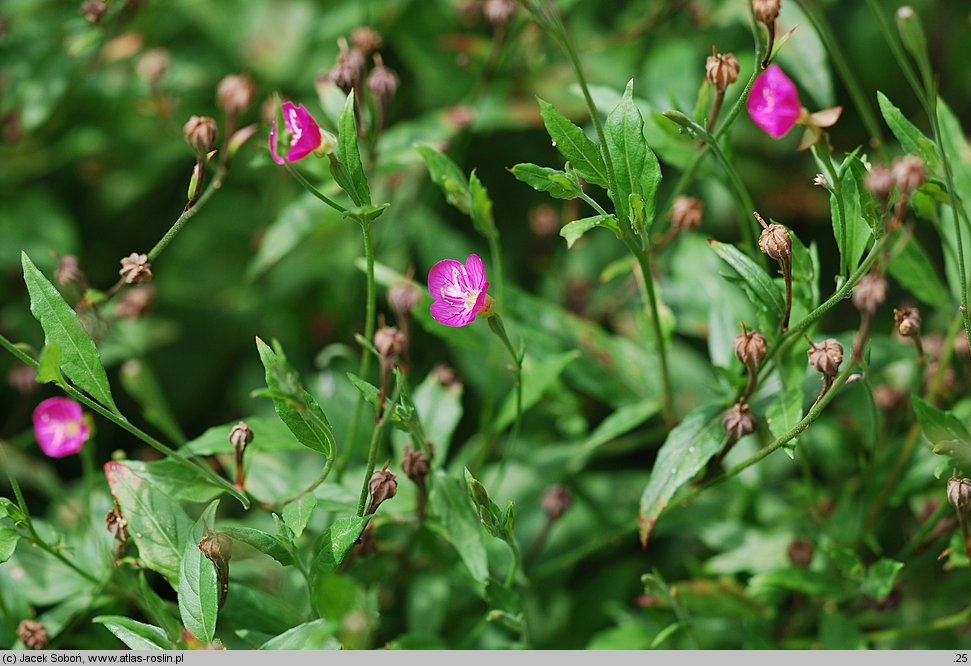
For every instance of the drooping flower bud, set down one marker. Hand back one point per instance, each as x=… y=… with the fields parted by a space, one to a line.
x=686 y=213
x=218 y=549
x=750 y=349
x=69 y=271
x=390 y=342
x=117 y=525
x=32 y=634
x=907 y=321
x=367 y=39
x=880 y=181
x=153 y=65
x=766 y=11
x=415 y=465
x=800 y=552
x=826 y=357
x=721 y=70
x=959 y=495
x=93 y=10
x=382 y=487
x=135 y=268
x=909 y=172
x=235 y=93
x=869 y=293
x=200 y=134
x=775 y=241
x=241 y=436
x=556 y=500
x=738 y=421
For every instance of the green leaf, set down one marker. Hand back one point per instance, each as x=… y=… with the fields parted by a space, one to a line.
x=80 y=359
x=295 y=223
x=636 y=169
x=157 y=610
x=367 y=390
x=198 y=583
x=447 y=175
x=139 y=381
x=49 y=370
x=574 y=230
x=944 y=431
x=911 y=138
x=481 y=211
x=574 y=145
x=440 y=409
x=913 y=269
x=538 y=376
x=175 y=479
x=620 y=422
x=857 y=231
x=294 y=405
x=350 y=173
x=156 y=522
x=684 y=453
x=270 y=434
x=269 y=544
x=8 y=543
x=560 y=184
x=759 y=283
x=459 y=524
x=881 y=577
x=297 y=513
x=337 y=541
x=315 y=635
x=134 y=634
x=785 y=411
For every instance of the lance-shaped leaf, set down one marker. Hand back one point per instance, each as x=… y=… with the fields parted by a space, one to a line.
x=636 y=169
x=574 y=145
x=198 y=583
x=756 y=280
x=481 y=212
x=573 y=231
x=80 y=360
x=348 y=171
x=447 y=175
x=560 y=184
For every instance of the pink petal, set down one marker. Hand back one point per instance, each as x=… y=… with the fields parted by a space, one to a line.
x=476 y=271
x=59 y=427
x=443 y=277
x=773 y=102
x=273 y=154
x=304 y=131
x=452 y=314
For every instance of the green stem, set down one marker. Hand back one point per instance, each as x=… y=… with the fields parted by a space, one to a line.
x=940 y=624
x=495 y=253
x=915 y=541
x=898 y=53
x=743 y=200
x=313 y=190
x=517 y=560
x=373 y=451
x=794 y=432
x=122 y=422
x=497 y=327
x=217 y=183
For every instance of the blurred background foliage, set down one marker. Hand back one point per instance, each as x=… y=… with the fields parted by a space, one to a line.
x=94 y=164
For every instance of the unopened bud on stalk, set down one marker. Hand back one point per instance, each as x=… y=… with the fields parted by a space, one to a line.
x=389 y=341
x=738 y=421
x=909 y=172
x=382 y=82
x=766 y=11
x=403 y=297
x=218 y=549
x=235 y=93
x=69 y=271
x=907 y=321
x=365 y=38
x=556 y=500
x=382 y=487
x=241 y=436
x=686 y=213
x=153 y=65
x=200 y=134
x=826 y=357
x=32 y=634
x=347 y=72
x=775 y=241
x=135 y=268
x=750 y=349
x=869 y=293
x=721 y=69
x=415 y=465
x=959 y=495
x=93 y=10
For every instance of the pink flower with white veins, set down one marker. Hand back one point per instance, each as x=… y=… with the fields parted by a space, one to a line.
x=459 y=290
x=59 y=427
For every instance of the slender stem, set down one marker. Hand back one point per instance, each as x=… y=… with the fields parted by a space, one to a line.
x=495 y=253
x=373 y=456
x=743 y=200
x=122 y=422
x=796 y=430
x=517 y=560
x=915 y=541
x=940 y=624
x=313 y=190
x=177 y=226
x=898 y=52
x=716 y=106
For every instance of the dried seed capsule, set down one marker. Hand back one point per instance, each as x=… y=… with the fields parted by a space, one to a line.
x=686 y=213
x=235 y=93
x=766 y=11
x=382 y=487
x=153 y=65
x=826 y=357
x=403 y=297
x=69 y=271
x=869 y=293
x=959 y=494
x=32 y=634
x=415 y=465
x=909 y=172
x=738 y=421
x=721 y=70
x=200 y=134
x=801 y=552
x=382 y=82
x=750 y=349
x=241 y=436
x=880 y=181
x=389 y=341
x=498 y=12
x=135 y=268
x=907 y=321
x=776 y=242
x=135 y=302
x=556 y=500
x=365 y=38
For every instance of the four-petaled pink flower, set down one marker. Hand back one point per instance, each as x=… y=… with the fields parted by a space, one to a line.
x=459 y=290
x=59 y=427
x=774 y=103
x=304 y=133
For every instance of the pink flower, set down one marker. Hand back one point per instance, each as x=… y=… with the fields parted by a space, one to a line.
x=59 y=428
x=459 y=290
x=304 y=133
x=774 y=103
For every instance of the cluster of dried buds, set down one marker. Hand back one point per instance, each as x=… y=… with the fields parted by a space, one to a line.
x=750 y=349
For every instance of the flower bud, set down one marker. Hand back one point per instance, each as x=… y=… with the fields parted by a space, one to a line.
x=382 y=82
x=403 y=297
x=365 y=38
x=135 y=303
x=69 y=271
x=880 y=181
x=349 y=68
x=959 y=494
x=686 y=213
x=869 y=293
x=382 y=487
x=826 y=357
x=117 y=525
x=446 y=376
x=32 y=634
x=738 y=421
x=800 y=552
x=907 y=321
x=23 y=378
x=240 y=436
x=776 y=242
x=721 y=70
x=389 y=341
x=556 y=500
x=766 y=11
x=235 y=93
x=909 y=172
x=217 y=547
x=498 y=12
x=415 y=465
x=200 y=134
x=135 y=268
x=750 y=349
x=153 y=65
x=92 y=11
